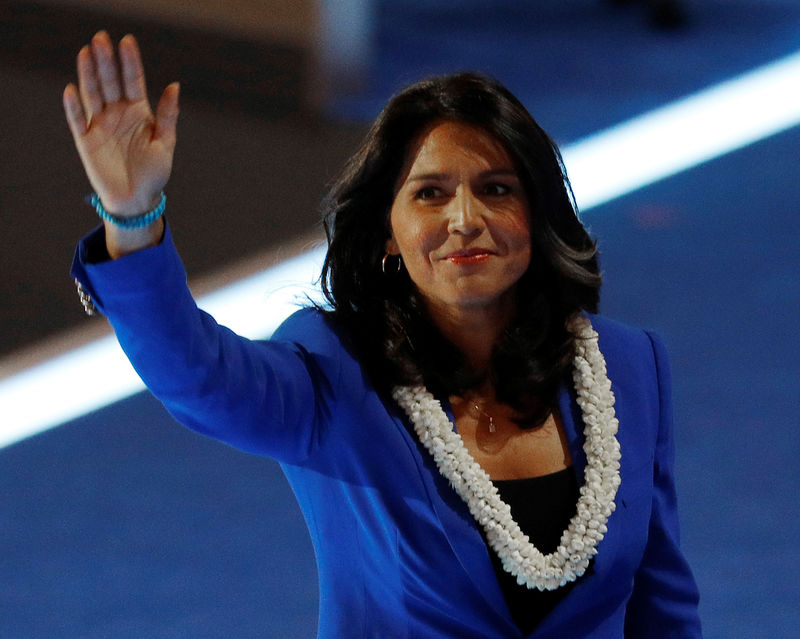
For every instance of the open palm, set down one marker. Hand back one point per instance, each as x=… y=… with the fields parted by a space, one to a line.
x=125 y=148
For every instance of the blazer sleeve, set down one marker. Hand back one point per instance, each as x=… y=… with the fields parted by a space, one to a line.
x=664 y=604
x=255 y=396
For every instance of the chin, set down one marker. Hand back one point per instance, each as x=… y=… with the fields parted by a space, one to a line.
x=479 y=299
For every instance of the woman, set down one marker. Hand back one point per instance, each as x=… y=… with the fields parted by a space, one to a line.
x=457 y=269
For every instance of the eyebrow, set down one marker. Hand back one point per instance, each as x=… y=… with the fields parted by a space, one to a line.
x=421 y=177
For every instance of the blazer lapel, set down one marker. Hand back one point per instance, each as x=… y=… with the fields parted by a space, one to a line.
x=462 y=533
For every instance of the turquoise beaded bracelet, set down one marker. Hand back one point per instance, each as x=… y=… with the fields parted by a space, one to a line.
x=136 y=222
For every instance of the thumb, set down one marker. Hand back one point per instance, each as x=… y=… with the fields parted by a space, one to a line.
x=167 y=115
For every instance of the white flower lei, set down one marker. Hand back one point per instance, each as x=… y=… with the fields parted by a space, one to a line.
x=601 y=478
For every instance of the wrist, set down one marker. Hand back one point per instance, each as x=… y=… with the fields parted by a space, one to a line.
x=121 y=241
x=129 y=221
x=127 y=234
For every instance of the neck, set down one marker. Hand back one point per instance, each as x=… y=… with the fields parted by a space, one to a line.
x=473 y=330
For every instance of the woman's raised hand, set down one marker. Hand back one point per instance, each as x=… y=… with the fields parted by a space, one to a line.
x=126 y=150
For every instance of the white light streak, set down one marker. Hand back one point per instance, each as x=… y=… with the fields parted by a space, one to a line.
x=684 y=134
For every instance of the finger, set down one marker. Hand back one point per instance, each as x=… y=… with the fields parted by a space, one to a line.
x=133 y=83
x=76 y=116
x=107 y=71
x=167 y=115
x=87 y=83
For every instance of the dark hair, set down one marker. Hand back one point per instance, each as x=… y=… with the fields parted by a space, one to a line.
x=382 y=315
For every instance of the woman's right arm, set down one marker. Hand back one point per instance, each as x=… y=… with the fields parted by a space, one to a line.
x=256 y=396
x=125 y=148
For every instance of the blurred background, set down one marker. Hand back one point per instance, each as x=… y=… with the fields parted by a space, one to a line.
x=122 y=524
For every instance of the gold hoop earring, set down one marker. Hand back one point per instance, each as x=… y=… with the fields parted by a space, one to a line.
x=399 y=263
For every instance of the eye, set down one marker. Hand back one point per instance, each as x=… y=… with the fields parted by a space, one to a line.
x=428 y=193
x=496 y=188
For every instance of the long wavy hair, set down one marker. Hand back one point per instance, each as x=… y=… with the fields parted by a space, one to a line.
x=382 y=316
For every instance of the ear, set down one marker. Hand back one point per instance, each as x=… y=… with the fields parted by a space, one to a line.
x=391 y=246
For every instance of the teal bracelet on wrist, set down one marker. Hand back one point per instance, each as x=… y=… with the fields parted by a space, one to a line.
x=136 y=222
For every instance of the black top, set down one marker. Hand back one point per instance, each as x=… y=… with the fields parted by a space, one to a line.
x=542 y=507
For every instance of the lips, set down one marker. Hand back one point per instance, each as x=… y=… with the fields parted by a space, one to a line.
x=469 y=255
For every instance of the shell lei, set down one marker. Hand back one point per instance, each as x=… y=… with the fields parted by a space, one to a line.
x=579 y=541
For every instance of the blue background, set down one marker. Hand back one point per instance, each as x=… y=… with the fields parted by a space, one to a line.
x=122 y=524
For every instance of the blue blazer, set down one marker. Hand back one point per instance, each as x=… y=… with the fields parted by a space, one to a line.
x=398 y=553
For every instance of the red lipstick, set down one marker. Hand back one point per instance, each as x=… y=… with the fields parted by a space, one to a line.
x=469 y=256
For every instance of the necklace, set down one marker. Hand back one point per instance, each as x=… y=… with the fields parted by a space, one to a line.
x=475 y=406
x=579 y=541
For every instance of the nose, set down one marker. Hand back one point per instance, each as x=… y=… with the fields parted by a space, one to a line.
x=465 y=214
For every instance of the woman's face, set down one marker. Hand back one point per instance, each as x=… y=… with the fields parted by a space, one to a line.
x=460 y=219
